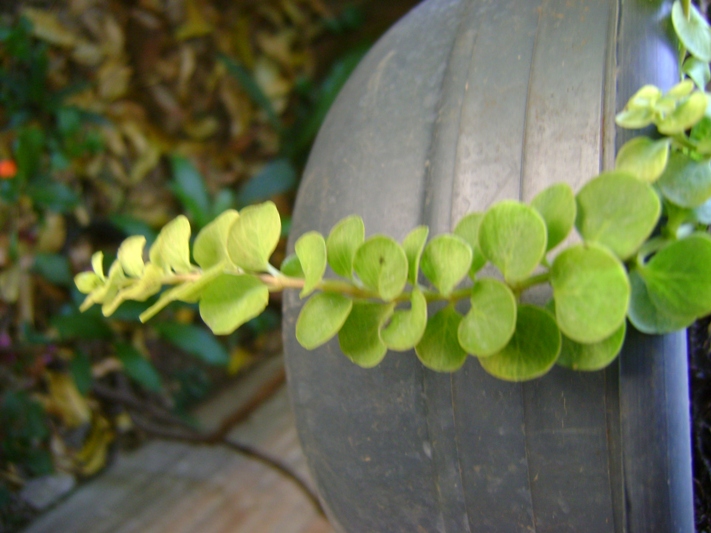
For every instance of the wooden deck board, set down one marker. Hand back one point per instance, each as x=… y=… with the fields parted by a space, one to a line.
x=169 y=487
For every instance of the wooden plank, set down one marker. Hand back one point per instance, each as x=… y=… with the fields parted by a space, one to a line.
x=168 y=487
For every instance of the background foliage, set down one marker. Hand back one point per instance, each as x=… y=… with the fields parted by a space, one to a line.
x=114 y=118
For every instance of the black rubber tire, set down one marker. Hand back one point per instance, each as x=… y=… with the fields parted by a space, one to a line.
x=461 y=104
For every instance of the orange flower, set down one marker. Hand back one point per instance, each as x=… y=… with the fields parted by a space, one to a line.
x=8 y=169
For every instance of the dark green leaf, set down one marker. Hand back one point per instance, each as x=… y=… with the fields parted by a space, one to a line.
x=194 y=340
x=276 y=177
x=189 y=186
x=30 y=145
x=53 y=195
x=138 y=367
x=133 y=226
x=80 y=326
x=330 y=87
x=80 y=368
x=54 y=268
x=252 y=88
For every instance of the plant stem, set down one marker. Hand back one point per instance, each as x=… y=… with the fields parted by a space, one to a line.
x=530 y=282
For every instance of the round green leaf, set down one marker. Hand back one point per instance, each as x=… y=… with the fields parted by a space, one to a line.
x=439 y=348
x=644 y=158
x=639 y=111
x=406 y=327
x=646 y=316
x=210 y=245
x=359 y=338
x=513 y=237
x=171 y=249
x=97 y=264
x=679 y=91
x=686 y=182
x=698 y=71
x=491 y=321
x=446 y=261
x=381 y=264
x=591 y=292
x=702 y=214
x=229 y=301
x=189 y=291
x=342 y=243
x=140 y=290
x=694 y=32
x=633 y=119
x=594 y=356
x=291 y=267
x=311 y=251
x=605 y=215
x=253 y=236
x=87 y=282
x=678 y=277
x=685 y=114
x=130 y=255
x=532 y=350
x=321 y=318
x=556 y=204
x=413 y=244
x=468 y=229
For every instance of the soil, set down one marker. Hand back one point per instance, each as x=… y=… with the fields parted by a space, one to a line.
x=700 y=385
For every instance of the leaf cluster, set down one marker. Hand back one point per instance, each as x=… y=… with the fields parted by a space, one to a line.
x=641 y=252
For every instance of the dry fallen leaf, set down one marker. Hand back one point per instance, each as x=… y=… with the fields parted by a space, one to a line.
x=10 y=283
x=93 y=455
x=46 y=27
x=65 y=401
x=53 y=234
x=194 y=25
x=113 y=79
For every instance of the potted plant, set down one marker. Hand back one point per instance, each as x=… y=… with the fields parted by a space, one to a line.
x=461 y=108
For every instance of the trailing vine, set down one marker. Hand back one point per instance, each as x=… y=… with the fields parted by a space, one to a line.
x=641 y=253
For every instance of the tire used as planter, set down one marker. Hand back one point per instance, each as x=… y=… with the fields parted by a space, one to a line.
x=464 y=103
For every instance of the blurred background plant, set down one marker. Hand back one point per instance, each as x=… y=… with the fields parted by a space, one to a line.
x=114 y=118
